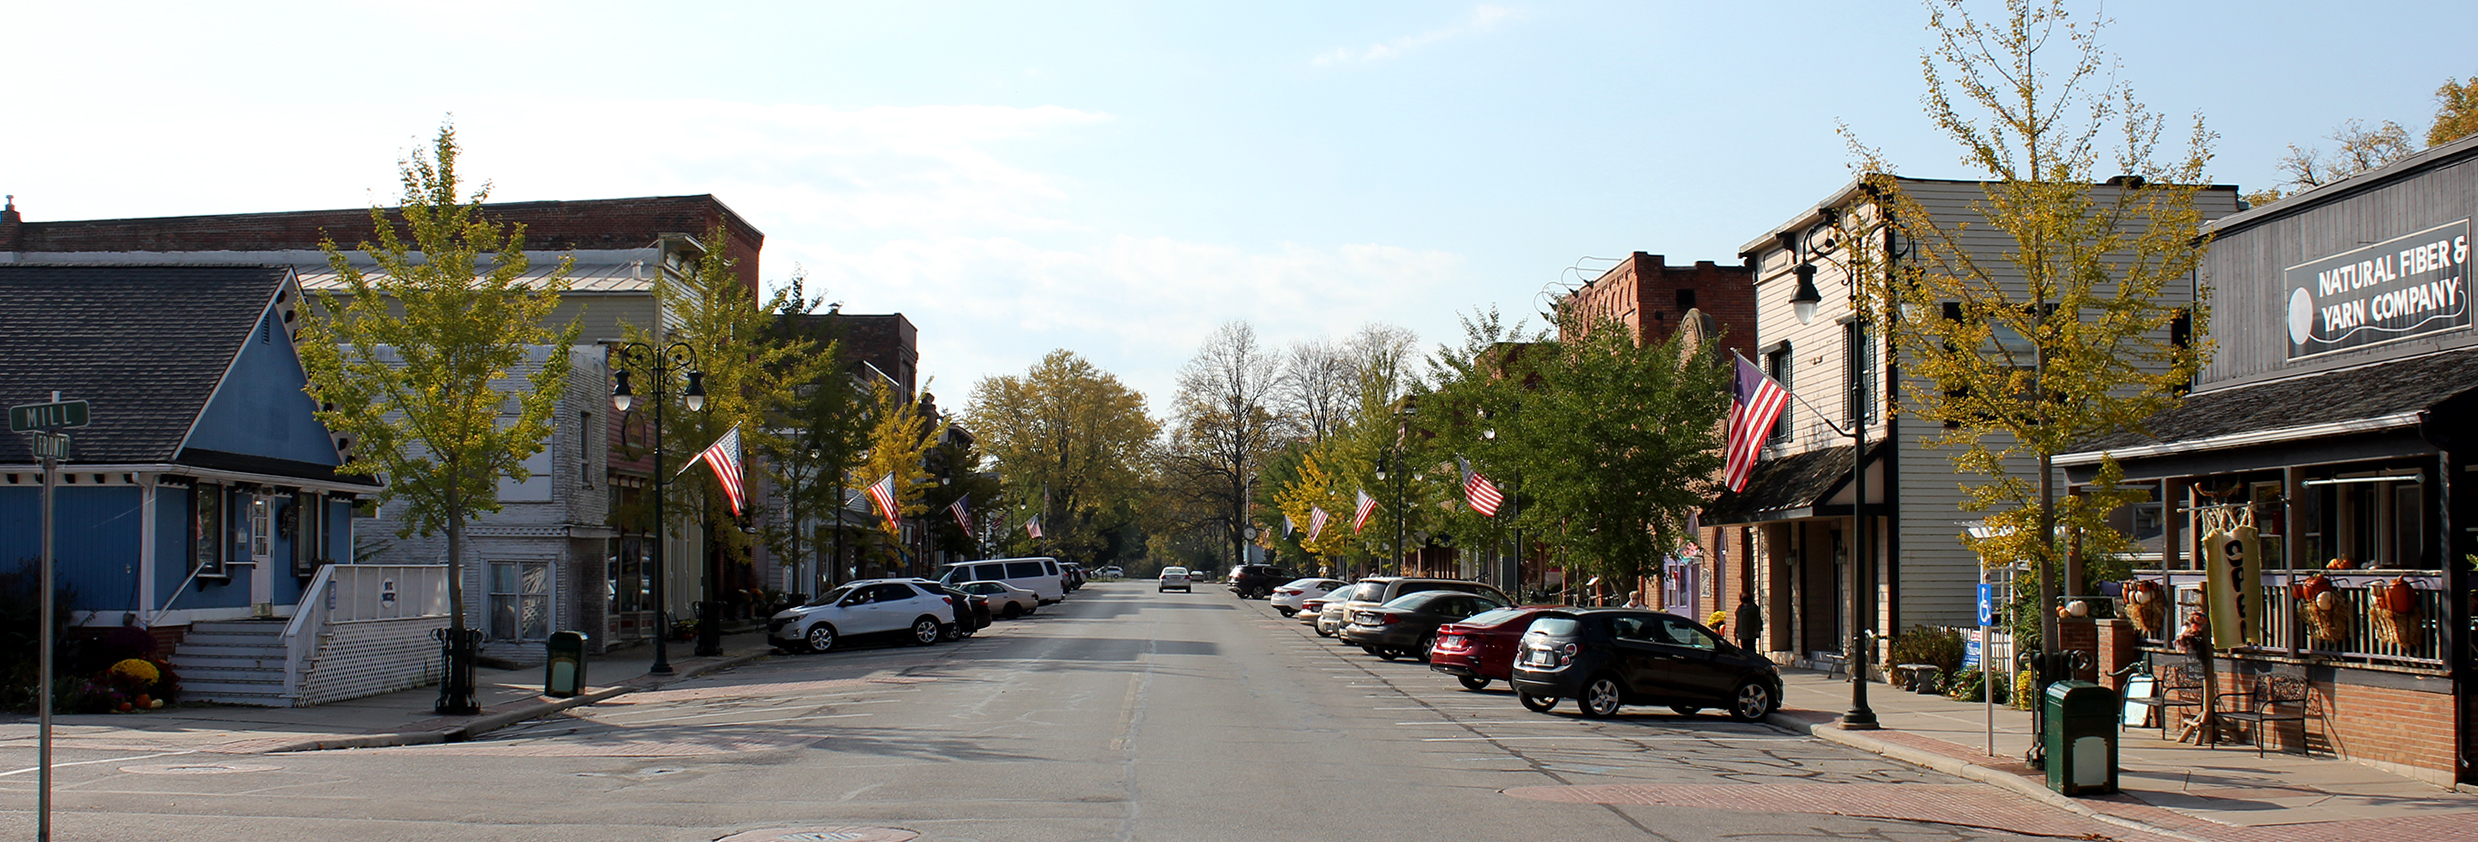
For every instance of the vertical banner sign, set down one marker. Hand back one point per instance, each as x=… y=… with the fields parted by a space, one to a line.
x=2232 y=585
x=2400 y=288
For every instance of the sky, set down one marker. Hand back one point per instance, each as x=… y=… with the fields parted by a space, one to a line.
x=1120 y=178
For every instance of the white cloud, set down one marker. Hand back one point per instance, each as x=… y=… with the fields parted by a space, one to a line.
x=1483 y=18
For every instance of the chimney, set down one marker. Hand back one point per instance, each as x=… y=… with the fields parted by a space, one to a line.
x=10 y=222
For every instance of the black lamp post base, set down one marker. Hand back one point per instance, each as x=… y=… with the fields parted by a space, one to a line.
x=1859 y=720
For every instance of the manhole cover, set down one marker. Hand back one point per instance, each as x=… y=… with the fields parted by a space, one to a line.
x=198 y=768
x=823 y=834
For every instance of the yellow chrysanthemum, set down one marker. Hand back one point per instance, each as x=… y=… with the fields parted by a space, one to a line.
x=137 y=668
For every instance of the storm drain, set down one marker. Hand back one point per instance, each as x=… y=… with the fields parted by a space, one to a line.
x=823 y=834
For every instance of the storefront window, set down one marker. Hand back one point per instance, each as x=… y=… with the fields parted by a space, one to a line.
x=520 y=600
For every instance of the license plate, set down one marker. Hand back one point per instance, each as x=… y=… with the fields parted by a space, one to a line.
x=1536 y=658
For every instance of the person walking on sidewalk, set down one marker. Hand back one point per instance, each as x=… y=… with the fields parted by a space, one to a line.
x=1750 y=621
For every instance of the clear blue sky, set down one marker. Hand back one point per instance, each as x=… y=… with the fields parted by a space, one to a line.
x=1118 y=178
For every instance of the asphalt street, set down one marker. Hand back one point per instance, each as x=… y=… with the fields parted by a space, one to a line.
x=1123 y=714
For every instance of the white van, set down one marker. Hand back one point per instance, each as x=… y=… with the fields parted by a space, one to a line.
x=1039 y=575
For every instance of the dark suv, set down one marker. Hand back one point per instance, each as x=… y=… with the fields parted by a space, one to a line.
x=1257 y=581
x=1605 y=658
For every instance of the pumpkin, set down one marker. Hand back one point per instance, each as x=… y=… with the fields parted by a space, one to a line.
x=2400 y=597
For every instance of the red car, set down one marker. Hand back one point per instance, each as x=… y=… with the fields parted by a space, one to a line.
x=1482 y=646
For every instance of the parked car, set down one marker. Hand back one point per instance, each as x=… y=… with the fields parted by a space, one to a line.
x=1407 y=627
x=1007 y=600
x=1330 y=613
x=1199 y=575
x=1605 y=658
x=1176 y=577
x=1287 y=597
x=1071 y=576
x=971 y=610
x=1480 y=648
x=1257 y=581
x=1113 y=573
x=1039 y=575
x=862 y=608
x=1375 y=591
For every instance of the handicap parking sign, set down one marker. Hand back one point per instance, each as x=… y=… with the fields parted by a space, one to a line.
x=1987 y=604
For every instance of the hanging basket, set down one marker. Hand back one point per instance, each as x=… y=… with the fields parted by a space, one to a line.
x=2144 y=607
x=2318 y=601
x=2394 y=612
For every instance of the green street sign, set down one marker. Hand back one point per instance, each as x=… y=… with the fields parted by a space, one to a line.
x=39 y=416
x=51 y=445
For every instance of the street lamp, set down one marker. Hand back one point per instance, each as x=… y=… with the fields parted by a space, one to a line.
x=1514 y=498
x=1803 y=303
x=658 y=363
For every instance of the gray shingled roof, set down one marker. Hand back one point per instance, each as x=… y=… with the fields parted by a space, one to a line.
x=144 y=345
x=2355 y=394
x=1796 y=481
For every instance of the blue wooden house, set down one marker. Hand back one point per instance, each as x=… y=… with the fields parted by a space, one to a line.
x=202 y=502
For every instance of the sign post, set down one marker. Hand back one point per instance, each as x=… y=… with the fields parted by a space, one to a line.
x=45 y=421
x=1987 y=679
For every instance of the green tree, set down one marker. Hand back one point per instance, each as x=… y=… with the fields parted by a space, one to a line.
x=2062 y=332
x=1470 y=406
x=899 y=435
x=442 y=370
x=1069 y=439
x=823 y=434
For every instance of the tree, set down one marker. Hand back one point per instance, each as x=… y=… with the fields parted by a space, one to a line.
x=2060 y=333
x=424 y=363
x=822 y=436
x=2361 y=149
x=2456 y=112
x=899 y=435
x=1620 y=442
x=1070 y=441
x=1315 y=386
x=1224 y=425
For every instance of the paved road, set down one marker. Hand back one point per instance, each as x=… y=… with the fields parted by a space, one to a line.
x=1121 y=715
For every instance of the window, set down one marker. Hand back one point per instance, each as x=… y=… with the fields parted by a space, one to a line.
x=307 y=515
x=1686 y=300
x=1861 y=352
x=520 y=600
x=1023 y=569
x=1777 y=366
x=1687 y=635
x=207 y=531
x=262 y=532
x=585 y=437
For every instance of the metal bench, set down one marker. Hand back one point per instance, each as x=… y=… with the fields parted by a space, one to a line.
x=2279 y=698
x=2179 y=687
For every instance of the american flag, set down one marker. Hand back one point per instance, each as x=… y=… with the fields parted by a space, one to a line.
x=962 y=507
x=1483 y=494
x=1367 y=507
x=1316 y=522
x=724 y=458
x=1755 y=403
x=1288 y=527
x=1033 y=527
x=883 y=491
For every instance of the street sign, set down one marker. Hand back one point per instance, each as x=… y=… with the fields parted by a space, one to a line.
x=51 y=445
x=1987 y=604
x=37 y=416
x=1970 y=650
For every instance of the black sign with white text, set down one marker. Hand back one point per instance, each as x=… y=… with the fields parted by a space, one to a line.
x=2406 y=286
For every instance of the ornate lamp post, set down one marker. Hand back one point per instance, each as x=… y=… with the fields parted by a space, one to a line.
x=658 y=363
x=1803 y=303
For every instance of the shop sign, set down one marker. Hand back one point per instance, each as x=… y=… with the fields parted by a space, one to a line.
x=2404 y=287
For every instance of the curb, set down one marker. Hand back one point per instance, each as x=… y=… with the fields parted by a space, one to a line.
x=1960 y=768
x=489 y=722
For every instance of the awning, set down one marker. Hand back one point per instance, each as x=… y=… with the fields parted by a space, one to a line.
x=1799 y=485
x=2375 y=411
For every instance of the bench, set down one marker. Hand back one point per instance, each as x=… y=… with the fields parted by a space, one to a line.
x=2179 y=687
x=2279 y=698
x=1909 y=676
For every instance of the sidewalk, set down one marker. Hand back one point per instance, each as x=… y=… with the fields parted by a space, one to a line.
x=404 y=717
x=2169 y=788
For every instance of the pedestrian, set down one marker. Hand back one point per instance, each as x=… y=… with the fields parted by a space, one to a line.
x=1750 y=621
x=1634 y=598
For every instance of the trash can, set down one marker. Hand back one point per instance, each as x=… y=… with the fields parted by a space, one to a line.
x=2082 y=738
x=564 y=674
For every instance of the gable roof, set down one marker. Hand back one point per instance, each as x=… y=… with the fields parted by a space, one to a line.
x=144 y=345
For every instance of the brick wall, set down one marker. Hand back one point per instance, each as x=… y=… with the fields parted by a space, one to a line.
x=371 y=657
x=1645 y=293
x=2403 y=723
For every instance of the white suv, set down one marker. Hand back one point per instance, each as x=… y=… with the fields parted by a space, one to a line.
x=864 y=607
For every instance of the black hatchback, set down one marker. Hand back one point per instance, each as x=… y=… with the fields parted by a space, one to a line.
x=1605 y=658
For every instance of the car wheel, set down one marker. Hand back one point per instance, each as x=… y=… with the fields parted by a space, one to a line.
x=1601 y=697
x=1285 y=611
x=1322 y=632
x=1387 y=653
x=1536 y=704
x=1751 y=702
x=1427 y=642
x=1686 y=710
x=820 y=638
x=1473 y=682
x=1013 y=611
x=954 y=632
x=925 y=632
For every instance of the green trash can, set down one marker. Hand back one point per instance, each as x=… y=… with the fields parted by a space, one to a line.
x=564 y=674
x=2082 y=738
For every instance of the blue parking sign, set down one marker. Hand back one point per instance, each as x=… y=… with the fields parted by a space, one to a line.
x=1987 y=604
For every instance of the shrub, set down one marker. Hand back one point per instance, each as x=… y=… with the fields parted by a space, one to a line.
x=1924 y=645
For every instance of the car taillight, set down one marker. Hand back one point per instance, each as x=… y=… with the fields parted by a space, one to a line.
x=1389 y=618
x=948 y=600
x=1566 y=654
x=1287 y=591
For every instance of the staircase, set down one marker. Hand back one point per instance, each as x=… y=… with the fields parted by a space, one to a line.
x=237 y=662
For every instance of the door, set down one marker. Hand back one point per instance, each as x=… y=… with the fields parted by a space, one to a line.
x=1635 y=657
x=1691 y=661
x=262 y=553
